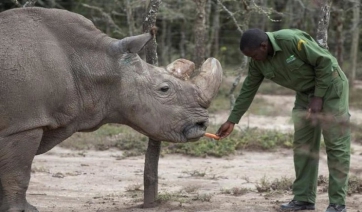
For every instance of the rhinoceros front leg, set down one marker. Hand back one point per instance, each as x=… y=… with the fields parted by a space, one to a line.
x=16 y=155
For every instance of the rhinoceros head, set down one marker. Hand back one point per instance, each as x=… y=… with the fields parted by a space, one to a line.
x=164 y=103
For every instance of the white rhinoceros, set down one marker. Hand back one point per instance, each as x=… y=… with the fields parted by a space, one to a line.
x=60 y=75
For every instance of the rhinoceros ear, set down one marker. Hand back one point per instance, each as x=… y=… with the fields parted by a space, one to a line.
x=133 y=44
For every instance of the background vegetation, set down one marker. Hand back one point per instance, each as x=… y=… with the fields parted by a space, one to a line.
x=176 y=21
x=222 y=24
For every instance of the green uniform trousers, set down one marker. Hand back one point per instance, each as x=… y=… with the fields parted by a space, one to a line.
x=333 y=124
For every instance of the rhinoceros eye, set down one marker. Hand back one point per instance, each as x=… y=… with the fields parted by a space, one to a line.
x=164 y=88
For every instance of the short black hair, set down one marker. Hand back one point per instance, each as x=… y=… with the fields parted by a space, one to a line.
x=252 y=38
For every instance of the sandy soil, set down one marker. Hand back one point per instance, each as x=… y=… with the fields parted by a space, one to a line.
x=80 y=181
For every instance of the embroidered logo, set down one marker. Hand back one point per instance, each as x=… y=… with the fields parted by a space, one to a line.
x=290 y=59
x=300 y=42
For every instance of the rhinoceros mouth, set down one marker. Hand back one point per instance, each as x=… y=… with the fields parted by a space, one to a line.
x=195 y=131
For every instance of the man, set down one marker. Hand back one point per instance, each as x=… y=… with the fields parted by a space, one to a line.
x=293 y=59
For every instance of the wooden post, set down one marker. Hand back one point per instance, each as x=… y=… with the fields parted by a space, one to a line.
x=150 y=175
x=150 y=178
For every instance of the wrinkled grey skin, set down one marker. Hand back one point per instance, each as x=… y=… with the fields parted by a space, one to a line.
x=60 y=75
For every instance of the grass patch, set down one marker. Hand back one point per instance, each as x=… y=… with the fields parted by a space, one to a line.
x=202 y=197
x=190 y=189
x=133 y=143
x=258 y=139
x=165 y=197
x=247 y=139
x=283 y=184
x=109 y=136
x=134 y=187
x=41 y=169
x=354 y=185
x=235 y=191
x=196 y=173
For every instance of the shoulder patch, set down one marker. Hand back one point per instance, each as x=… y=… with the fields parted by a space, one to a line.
x=300 y=42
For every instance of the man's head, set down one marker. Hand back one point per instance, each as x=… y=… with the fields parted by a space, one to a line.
x=254 y=43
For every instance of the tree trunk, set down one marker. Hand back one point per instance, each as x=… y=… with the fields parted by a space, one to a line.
x=168 y=44
x=182 y=44
x=162 y=43
x=322 y=29
x=150 y=178
x=130 y=20
x=215 y=32
x=337 y=17
x=355 y=41
x=200 y=32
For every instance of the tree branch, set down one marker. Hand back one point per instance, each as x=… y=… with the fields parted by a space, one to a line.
x=16 y=3
x=231 y=16
x=29 y=3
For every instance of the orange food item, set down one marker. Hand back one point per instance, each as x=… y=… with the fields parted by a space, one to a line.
x=210 y=135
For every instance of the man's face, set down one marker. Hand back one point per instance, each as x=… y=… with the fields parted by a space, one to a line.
x=260 y=53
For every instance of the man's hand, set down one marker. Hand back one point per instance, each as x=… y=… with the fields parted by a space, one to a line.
x=225 y=129
x=315 y=105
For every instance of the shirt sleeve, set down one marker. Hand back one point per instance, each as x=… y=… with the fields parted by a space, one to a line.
x=247 y=93
x=311 y=53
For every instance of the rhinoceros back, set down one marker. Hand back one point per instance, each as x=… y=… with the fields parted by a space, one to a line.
x=37 y=52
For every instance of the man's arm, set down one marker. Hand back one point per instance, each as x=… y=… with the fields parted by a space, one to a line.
x=322 y=61
x=243 y=101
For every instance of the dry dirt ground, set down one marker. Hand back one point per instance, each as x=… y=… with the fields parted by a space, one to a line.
x=87 y=181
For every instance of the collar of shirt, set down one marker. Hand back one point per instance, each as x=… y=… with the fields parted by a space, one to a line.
x=276 y=47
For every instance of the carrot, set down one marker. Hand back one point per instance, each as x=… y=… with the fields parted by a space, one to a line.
x=210 y=135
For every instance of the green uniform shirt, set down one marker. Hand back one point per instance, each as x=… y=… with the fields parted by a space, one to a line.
x=298 y=63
